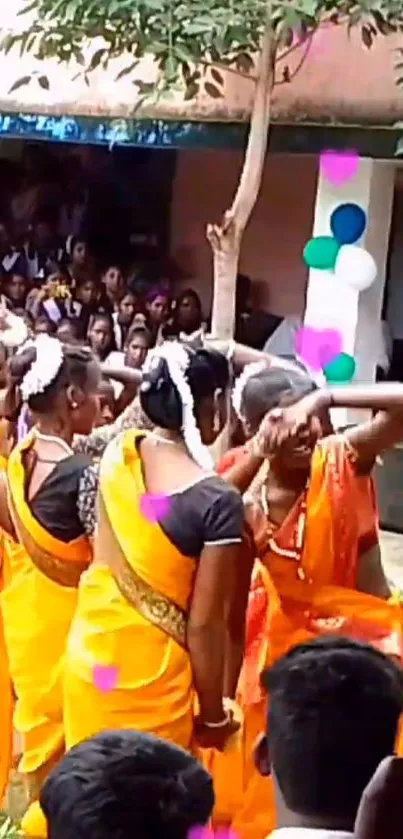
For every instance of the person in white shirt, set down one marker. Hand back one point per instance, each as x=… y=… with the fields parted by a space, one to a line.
x=333 y=717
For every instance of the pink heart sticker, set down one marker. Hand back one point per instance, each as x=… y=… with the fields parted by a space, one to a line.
x=154 y=507
x=104 y=677
x=339 y=166
x=318 y=347
x=202 y=832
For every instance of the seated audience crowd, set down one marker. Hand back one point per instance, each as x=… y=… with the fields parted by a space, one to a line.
x=59 y=288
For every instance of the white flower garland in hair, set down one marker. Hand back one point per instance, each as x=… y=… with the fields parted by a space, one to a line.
x=237 y=393
x=49 y=359
x=177 y=359
x=14 y=332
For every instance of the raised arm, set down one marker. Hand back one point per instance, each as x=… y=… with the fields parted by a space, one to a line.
x=368 y=439
x=241 y=355
x=215 y=631
x=96 y=442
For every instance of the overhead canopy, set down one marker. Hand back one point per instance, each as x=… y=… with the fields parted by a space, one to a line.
x=340 y=82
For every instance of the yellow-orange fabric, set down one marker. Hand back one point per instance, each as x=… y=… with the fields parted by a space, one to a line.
x=37 y=612
x=6 y=693
x=291 y=601
x=131 y=602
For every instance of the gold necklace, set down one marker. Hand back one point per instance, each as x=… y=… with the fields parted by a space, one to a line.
x=295 y=552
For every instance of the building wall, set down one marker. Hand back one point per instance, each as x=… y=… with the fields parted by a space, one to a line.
x=394 y=308
x=281 y=223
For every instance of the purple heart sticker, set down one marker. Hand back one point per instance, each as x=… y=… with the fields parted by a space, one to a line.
x=105 y=677
x=318 y=347
x=338 y=167
x=154 y=507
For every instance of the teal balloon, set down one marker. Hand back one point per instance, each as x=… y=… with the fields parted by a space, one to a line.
x=341 y=369
x=347 y=223
x=321 y=253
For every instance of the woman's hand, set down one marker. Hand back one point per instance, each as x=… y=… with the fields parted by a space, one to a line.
x=217 y=737
x=291 y=422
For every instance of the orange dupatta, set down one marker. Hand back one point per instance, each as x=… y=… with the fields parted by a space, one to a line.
x=294 y=597
x=293 y=600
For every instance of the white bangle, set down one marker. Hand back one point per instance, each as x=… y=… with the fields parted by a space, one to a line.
x=220 y=724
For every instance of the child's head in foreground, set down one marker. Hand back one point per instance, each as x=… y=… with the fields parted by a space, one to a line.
x=121 y=784
x=334 y=711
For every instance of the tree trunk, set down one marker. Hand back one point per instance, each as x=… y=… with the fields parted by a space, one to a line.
x=226 y=238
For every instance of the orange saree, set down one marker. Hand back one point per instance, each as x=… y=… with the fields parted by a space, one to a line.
x=230 y=458
x=297 y=594
x=38 y=604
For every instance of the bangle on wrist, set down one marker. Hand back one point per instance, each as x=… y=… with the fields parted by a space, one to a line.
x=221 y=724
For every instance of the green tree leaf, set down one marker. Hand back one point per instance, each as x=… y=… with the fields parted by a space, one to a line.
x=366 y=36
x=43 y=81
x=127 y=70
x=218 y=77
x=24 y=80
x=212 y=90
x=191 y=91
x=96 y=59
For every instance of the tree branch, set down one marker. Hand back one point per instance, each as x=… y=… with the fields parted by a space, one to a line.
x=226 y=69
x=249 y=184
x=299 y=65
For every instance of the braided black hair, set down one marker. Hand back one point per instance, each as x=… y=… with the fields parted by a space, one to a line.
x=74 y=370
x=160 y=400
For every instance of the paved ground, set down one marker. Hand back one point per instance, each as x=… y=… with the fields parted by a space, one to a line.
x=392 y=556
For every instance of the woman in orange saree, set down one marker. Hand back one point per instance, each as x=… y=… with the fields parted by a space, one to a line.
x=308 y=516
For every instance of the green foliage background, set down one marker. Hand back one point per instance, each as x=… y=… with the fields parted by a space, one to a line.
x=191 y=40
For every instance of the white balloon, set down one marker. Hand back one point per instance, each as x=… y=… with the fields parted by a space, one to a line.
x=355 y=267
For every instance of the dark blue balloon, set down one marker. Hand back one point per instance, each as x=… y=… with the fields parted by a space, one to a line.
x=347 y=223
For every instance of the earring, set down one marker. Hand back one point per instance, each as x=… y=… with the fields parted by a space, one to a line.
x=216 y=422
x=74 y=406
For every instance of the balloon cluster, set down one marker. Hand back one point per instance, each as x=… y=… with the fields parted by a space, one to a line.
x=339 y=253
x=352 y=266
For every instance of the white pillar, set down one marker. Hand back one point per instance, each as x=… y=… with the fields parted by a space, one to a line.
x=357 y=316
